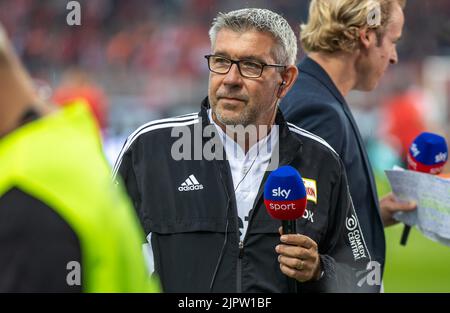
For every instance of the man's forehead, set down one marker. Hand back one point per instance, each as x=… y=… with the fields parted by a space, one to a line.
x=395 y=25
x=251 y=43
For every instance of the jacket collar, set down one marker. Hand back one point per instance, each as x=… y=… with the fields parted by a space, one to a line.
x=308 y=65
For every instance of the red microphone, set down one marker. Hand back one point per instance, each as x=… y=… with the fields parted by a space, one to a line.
x=285 y=200
x=285 y=197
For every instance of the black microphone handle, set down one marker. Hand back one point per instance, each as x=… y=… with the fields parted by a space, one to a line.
x=405 y=235
x=289 y=226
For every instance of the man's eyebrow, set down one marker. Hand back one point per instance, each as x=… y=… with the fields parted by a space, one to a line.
x=245 y=57
x=253 y=58
x=222 y=54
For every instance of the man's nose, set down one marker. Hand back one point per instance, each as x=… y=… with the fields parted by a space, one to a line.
x=394 y=57
x=233 y=77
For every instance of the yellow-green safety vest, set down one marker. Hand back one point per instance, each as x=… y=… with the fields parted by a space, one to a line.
x=58 y=159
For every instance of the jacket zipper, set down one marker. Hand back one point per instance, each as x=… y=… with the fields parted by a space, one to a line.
x=241 y=242
x=239 y=267
x=241 y=247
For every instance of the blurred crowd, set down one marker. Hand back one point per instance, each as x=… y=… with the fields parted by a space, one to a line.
x=138 y=60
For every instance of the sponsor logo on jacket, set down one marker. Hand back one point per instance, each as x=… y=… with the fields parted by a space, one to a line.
x=311 y=189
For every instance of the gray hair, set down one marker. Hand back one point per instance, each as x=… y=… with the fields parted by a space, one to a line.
x=262 y=20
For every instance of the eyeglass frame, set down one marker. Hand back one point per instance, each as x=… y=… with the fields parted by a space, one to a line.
x=237 y=62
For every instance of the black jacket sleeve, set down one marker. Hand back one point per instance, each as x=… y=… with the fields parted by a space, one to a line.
x=36 y=245
x=344 y=255
x=126 y=176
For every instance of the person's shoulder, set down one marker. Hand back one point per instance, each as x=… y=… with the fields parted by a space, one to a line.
x=317 y=148
x=308 y=86
x=317 y=117
x=307 y=99
x=312 y=140
x=153 y=134
x=160 y=127
x=313 y=106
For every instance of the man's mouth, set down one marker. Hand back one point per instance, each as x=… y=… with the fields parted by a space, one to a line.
x=231 y=99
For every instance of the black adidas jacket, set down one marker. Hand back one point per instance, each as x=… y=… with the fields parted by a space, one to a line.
x=195 y=233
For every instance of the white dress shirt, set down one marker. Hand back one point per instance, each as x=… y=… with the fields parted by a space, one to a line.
x=247 y=170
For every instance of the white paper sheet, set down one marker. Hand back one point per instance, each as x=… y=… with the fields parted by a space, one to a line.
x=432 y=195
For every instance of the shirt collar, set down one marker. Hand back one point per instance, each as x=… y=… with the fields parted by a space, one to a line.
x=262 y=148
x=289 y=144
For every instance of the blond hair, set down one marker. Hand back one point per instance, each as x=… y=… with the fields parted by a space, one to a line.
x=334 y=25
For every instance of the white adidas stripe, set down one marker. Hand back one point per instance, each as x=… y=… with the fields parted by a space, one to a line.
x=147 y=129
x=308 y=134
x=169 y=119
x=194 y=180
x=180 y=118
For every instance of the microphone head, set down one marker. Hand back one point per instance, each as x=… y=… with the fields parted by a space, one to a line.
x=428 y=154
x=285 y=194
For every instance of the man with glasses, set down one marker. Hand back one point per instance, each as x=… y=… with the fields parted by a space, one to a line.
x=204 y=216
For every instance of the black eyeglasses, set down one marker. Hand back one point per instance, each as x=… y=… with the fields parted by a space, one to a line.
x=249 y=69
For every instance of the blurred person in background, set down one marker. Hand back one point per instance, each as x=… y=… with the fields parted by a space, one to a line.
x=366 y=111
x=63 y=225
x=402 y=112
x=350 y=44
x=76 y=84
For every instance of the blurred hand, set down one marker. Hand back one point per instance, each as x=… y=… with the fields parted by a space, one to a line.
x=389 y=205
x=298 y=257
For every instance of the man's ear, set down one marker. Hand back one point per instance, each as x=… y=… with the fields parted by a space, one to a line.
x=367 y=37
x=289 y=76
